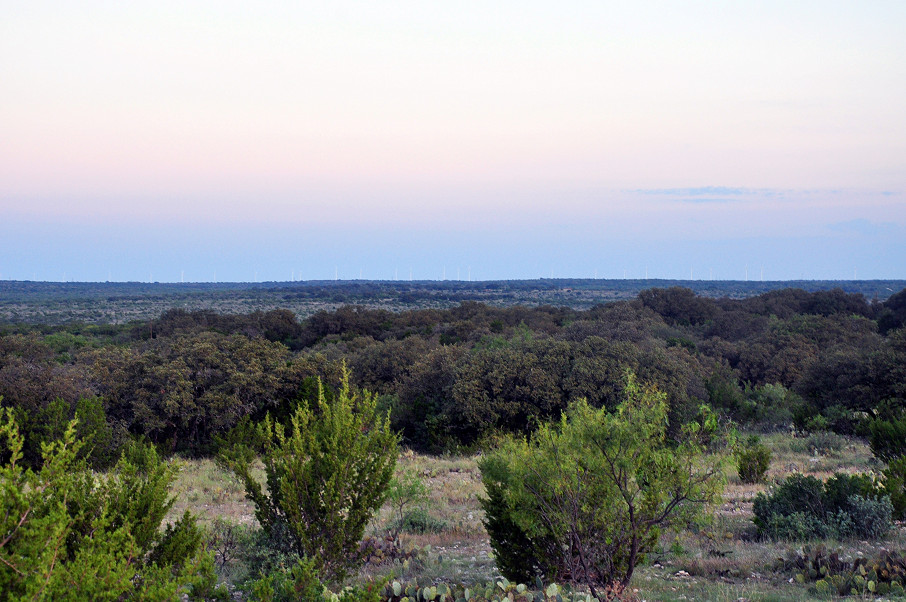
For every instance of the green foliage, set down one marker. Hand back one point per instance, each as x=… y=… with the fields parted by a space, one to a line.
x=69 y=535
x=92 y=427
x=178 y=543
x=183 y=391
x=419 y=521
x=771 y=404
x=872 y=518
x=405 y=490
x=820 y=443
x=327 y=473
x=802 y=507
x=518 y=555
x=893 y=483
x=752 y=460
x=301 y=583
x=589 y=495
x=888 y=438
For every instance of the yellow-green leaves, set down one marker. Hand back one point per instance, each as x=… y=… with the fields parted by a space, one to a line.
x=584 y=498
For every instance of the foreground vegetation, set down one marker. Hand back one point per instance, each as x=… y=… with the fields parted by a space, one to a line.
x=723 y=556
x=718 y=556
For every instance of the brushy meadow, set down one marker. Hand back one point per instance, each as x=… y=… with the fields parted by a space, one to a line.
x=716 y=559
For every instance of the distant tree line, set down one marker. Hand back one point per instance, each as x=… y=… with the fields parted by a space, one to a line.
x=452 y=378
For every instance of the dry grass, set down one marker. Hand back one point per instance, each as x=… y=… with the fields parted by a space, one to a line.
x=211 y=492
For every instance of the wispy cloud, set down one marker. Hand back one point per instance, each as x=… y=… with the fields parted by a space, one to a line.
x=708 y=194
x=708 y=199
x=700 y=191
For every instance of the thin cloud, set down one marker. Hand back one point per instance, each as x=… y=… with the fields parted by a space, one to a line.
x=699 y=191
x=707 y=199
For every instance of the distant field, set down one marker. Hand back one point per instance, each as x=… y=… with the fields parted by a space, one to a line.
x=117 y=303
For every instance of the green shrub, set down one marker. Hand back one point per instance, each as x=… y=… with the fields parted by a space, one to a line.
x=872 y=518
x=327 y=473
x=419 y=521
x=840 y=488
x=405 y=490
x=796 y=493
x=598 y=485
x=802 y=507
x=93 y=428
x=796 y=526
x=518 y=555
x=301 y=583
x=887 y=439
x=752 y=460
x=893 y=483
x=72 y=536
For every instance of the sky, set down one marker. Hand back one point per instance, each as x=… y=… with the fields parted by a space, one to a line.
x=241 y=141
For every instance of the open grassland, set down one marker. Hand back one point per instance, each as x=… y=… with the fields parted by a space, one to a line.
x=717 y=559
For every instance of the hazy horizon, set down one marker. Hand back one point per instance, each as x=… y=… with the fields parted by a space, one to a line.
x=204 y=141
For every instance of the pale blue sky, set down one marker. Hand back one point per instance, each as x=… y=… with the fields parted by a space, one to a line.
x=515 y=138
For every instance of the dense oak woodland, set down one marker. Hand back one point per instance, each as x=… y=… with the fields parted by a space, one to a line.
x=451 y=378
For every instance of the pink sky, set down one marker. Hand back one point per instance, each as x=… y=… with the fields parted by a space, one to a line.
x=333 y=113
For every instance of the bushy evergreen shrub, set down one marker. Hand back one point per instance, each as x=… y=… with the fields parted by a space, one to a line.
x=327 y=473
x=69 y=535
x=752 y=460
x=893 y=482
x=888 y=439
